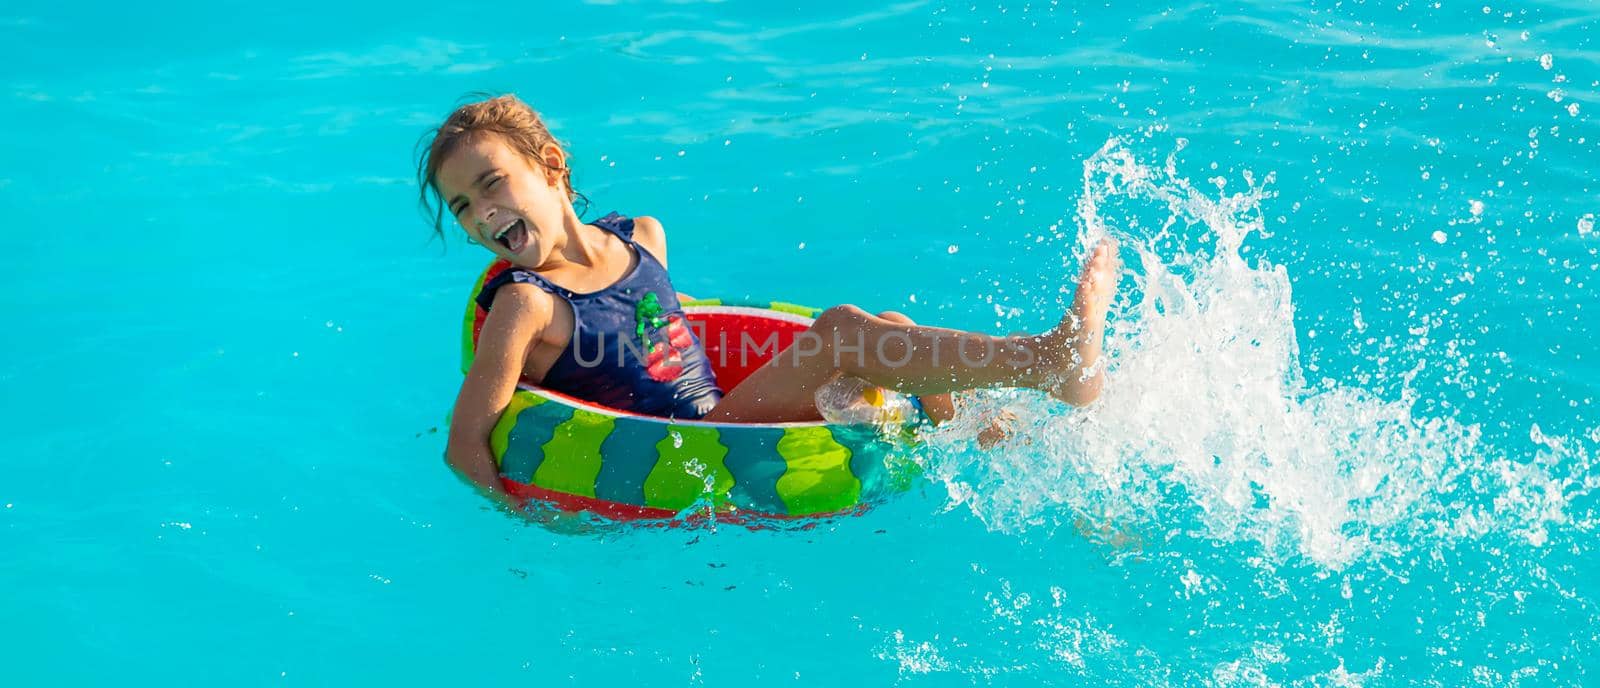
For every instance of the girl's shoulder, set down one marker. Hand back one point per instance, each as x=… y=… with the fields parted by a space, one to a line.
x=649 y=233
x=514 y=283
x=520 y=310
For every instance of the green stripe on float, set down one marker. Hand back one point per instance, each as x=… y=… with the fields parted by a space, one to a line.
x=700 y=302
x=794 y=308
x=673 y=483
x=524 y=446
x=572 y=456
x=500 y=436
x=819 y=479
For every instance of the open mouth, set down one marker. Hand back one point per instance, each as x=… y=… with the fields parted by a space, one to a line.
x=513 y=236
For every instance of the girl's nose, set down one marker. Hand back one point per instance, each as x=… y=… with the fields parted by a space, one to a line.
x=485 y=215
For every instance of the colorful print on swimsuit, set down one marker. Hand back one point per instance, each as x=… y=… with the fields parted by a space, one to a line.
x=664 y=357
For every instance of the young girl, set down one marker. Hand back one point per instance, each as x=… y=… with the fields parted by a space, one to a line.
x=565 y=313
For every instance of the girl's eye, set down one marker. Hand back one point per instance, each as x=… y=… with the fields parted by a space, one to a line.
x=492 y=183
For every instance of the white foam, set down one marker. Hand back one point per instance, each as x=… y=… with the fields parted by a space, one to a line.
x=1207 y=417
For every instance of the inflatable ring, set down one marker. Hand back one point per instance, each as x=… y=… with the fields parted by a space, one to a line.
x=581 y=456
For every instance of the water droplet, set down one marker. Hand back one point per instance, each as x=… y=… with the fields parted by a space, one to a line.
x=1439 y=237
x=953 y=248
x=1546 y=61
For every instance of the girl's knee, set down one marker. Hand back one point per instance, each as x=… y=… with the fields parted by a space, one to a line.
x=896 y=317
x=838 y=317
x=849 y=314
x=835 y=333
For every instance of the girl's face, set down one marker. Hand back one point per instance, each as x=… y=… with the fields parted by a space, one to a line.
x=504 y=201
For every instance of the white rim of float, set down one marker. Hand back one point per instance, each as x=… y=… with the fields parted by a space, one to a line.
x=759 y=311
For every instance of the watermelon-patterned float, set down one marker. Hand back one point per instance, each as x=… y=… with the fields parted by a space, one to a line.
x=581 y=456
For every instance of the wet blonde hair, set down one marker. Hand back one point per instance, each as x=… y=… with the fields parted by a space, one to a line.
x=513 y=120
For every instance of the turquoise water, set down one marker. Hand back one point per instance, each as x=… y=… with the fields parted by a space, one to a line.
x=1349 y=437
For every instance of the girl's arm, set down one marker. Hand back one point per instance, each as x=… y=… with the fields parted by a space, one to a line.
x=520 y=314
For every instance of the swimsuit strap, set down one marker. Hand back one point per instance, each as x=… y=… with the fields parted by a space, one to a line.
x=618 y=224
x=622 y=226
x=519 y=275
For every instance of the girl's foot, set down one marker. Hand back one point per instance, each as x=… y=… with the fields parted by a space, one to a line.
x=1073 y=348
x=997 y=429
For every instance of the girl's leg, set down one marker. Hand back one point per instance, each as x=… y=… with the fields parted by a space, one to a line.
x=939 y=407
x=929 y=361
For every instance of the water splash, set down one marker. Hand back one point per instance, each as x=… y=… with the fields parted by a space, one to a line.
x=1208 y=420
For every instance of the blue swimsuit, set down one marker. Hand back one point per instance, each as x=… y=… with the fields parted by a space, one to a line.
x=631 y=348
